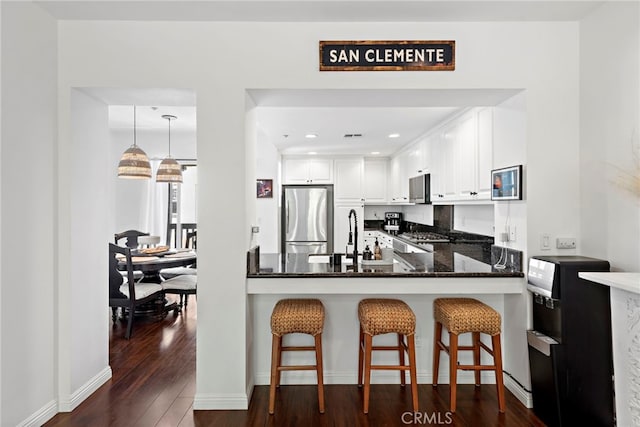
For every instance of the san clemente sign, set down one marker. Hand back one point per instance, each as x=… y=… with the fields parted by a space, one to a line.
x=387 y=55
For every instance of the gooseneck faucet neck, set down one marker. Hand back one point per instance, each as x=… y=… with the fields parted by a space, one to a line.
x=353 y=236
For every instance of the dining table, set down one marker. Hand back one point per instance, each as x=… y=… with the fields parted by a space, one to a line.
x=151 y=265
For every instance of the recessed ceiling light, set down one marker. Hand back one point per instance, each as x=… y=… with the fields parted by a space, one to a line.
x=375 y=152
x=311 y=135
x=394 y=135
x=312 y=153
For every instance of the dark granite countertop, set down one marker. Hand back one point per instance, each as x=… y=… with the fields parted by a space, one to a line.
x=447 y=260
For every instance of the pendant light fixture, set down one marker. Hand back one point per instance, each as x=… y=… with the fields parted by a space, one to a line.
x=169 y=170
x=134 y=163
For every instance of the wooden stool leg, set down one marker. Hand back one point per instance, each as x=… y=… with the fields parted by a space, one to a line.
x=275 y=352
x=360 y=357
x=411 y=343
x=497 y=360
x=319 y=372
x=279 y=361
x=476 y=356
x=403 y=380
x=437 y=336
x=368 y=343
x=453 y=369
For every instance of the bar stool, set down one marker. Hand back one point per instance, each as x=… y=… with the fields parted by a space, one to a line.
x=463 y=315
x=305 y=316
x=383 y=316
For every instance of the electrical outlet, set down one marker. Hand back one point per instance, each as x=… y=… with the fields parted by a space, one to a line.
x=545 y=242
x=512 y=233
x=566 y=243
x=255 y=229
x=418 y=341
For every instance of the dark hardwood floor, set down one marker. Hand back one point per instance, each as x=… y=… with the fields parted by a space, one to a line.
x=153 y=384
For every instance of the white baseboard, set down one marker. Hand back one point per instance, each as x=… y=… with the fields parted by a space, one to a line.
x=41 y=416
x=518 y=392
x=216 y=401
x=86 y=390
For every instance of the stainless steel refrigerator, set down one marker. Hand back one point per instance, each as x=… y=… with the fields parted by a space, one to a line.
x=307 y=219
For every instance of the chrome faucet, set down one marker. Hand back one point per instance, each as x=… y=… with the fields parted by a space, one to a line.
x=351 y=236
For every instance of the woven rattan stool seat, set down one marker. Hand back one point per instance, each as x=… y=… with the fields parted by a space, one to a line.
x=304 y=316
x=382 y=316
x=461 y=315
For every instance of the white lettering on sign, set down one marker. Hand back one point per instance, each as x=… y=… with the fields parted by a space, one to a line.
x=397 y=55
x=344 y=55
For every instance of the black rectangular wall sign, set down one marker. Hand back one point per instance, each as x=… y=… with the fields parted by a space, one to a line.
x=387 y=55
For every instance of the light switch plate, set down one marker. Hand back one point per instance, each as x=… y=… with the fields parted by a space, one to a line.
x=545 y=242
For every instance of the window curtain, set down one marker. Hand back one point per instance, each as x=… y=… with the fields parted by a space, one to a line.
x=154 y=210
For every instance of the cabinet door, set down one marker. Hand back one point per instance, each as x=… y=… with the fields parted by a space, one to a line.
x=348 y=180
x=321 y=171
x=436 y=150
x=341 y=226
x=375 y=180
x=449 y=145
x=485 y=154
x=296 y=171
x=466 y=158
x=400 y=178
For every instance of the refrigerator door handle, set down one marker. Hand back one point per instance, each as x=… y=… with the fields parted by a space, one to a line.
x=287 y=219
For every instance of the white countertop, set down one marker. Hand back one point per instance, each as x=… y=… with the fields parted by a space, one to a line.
x=629 y=282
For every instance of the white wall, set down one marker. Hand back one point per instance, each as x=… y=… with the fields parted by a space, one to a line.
x=268 y=210
x=87 y=351
x=133 y=54
x=28 y=175
x=510 y=145
x=610 y=135
x=107 y=54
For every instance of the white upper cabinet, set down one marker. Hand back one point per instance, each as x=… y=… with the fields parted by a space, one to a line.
x=399 y=177
x=349 y=180
x=307 y=170
x=466 y=144
x=461 y=158
x=485 y=153
x=375 y=181
x=417 y=162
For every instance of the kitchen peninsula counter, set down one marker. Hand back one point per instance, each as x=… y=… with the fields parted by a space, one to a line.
x=272 y=273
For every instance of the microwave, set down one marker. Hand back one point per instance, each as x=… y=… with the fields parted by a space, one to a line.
x=420 y=189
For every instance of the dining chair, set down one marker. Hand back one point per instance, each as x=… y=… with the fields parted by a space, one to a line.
x=182 y=280
x=131 y=242
x=131 y=236
x=124 y=292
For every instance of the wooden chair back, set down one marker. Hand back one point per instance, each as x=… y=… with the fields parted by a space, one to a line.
x=187 y=238
x=131 y=236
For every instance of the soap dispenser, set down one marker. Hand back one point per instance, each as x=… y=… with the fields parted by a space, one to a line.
x=367 y=254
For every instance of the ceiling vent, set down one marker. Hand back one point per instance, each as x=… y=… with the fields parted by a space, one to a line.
x=352 y=135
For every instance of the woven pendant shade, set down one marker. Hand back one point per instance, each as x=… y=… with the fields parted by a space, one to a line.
x=169 y=169
x=134 y=163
